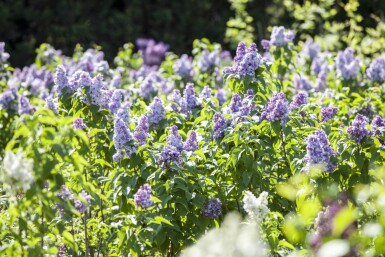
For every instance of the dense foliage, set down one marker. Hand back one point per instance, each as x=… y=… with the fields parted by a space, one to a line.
x=111 y=23
x=143 y=156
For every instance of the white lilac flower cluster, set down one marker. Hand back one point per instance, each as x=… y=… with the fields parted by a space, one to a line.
x=16 y=172
x=256 y=208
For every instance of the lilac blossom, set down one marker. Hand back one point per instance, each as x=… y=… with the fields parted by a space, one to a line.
x=319 y=150
x=141 y=131
x=281 y=38
x=347 y=65
x=189 y=99
x=301 y=82
x=206 y=93
x=168 y=156
x=121 y=134
x=96 y=90
x=156 y=111
x=311 y=48
x=220 y=94
x=118 y=156
x=80 y=79
x=176 y=97
x=153 y=53
x=116 y=82
x=376 y=70
x=235 y=103
x=25 y=106
x=298 y=100
x=84 y=204
x=147 y=89
x=212 y=208
x=357 y=131
x=265 y=44
x=208 y=60
x=7 y=98
x=62 y=249
x=276 y=109
x=174 y=139
x=321 y=82
x=115 y=101
x=377 y=123
x=60 y=78
x=142 y=198
x=191 y=143
x=183 y=67
x=220 y=124
x=328 y=112
x=78 y=123
x=246 y=61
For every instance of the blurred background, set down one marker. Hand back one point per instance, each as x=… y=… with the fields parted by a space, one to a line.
x=25 y=24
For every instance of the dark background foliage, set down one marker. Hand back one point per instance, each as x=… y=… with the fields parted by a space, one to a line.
x=25 y=24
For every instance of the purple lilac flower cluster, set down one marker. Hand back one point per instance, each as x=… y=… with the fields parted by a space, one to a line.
x=168 y=156
x=189 y=100
x=183 y=67
x=156 y=112
x=25 y=107
x=247 y=60
x=279 y=37
x=376 y=70
x=80 y=79
x=311 y=48
x=8 y=99
x=347 y=65
x=60 y=79
x=212 y=209
x=142 y=197
x=78 y=123
x=319 y=150
x=141 y=131
x=324 y=224
x=276 y=109
x=115 y=101
x=220 y=124
x=149 y=86
x=298 y=100
x=51 y=103
x=328 y=112
x=205 y=93
x=65 y=195
x=121 y=137
x=239 y=108
x=377 y=123
x=62 y=249
x=123 y=113
x=235 y=103
x=191 y=143
x=301 y=82
x=208 y=60
x=220 y=94
x=153 y=53
x=177 y=100
x=357 y=131
x=80 y=205
x=174 y=139
x=115 y=82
